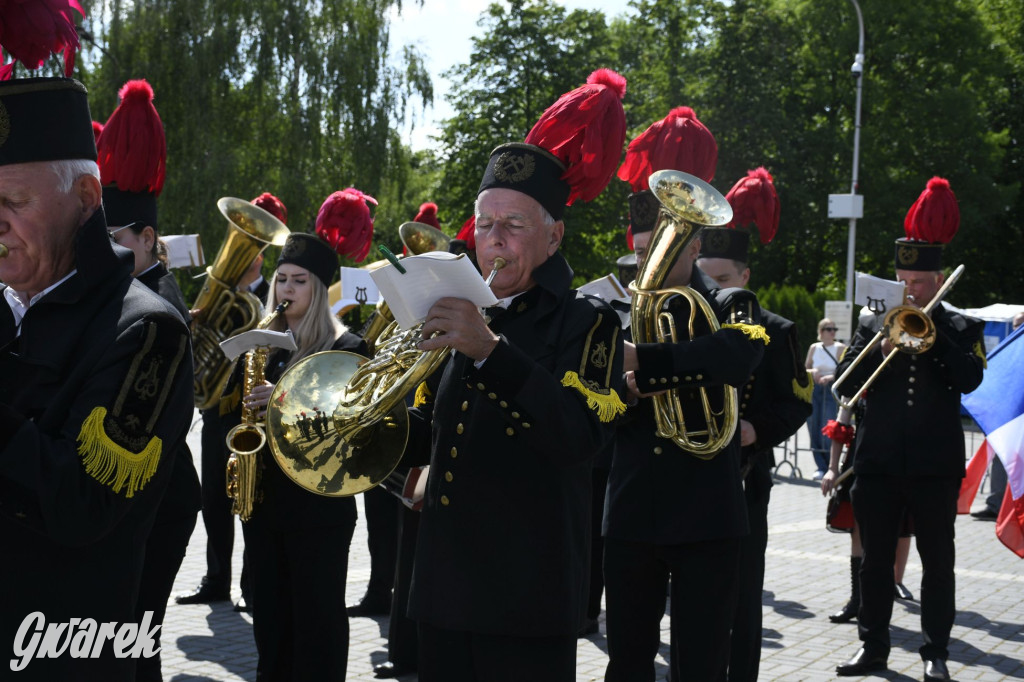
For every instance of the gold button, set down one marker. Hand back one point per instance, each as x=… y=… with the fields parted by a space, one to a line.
x=444 y=500
x=459 y=429
x=480 y=386
x=503 y=403
x=743 y=404
x=515 y=415
x=448 y=476
x=910 y=403
x=455 y=453
x=526 y=425
x=689 y=378
x=913 y=379
x=700 y=377
x=510 y=431
x=465 y=405
x=910 y=391
x=676 y=379
x=652 y=380
x=664 y=380
x=657 y=449
x=492 y=396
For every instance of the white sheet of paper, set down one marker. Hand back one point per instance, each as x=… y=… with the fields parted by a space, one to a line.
x=880 y=295
x=183 y=250
x=429 y=277
x=607 y=288
x=358 y=286
x=255 y=338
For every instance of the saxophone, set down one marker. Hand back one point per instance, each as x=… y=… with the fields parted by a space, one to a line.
x=247 y=439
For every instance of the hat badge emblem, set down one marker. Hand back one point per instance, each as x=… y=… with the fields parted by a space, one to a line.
x=907 y=255
x=511 y=167
x=716 y=241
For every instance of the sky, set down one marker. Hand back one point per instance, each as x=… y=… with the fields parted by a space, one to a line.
x=442 y=29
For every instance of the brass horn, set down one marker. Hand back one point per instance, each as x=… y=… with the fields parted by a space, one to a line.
x=687 y=204
x=909 y=330
x=3 y=251
x=422 y=238
x=224 y=312
x=367 y=423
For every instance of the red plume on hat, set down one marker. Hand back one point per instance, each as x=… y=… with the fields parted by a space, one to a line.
x=677 y=142
x=272 y=205
x=467 y=233
x=629 y=237
x=30 y=30
x=585 y=129
x=428 y=215
x=935 y=216
x=344 y=222
x=132 y=151
x=753 y=200
x=97 y=129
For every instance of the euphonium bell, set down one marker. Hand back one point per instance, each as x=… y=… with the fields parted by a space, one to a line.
x=687 y=205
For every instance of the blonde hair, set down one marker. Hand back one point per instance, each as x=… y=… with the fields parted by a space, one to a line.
x=825 y=322
x=318 y=328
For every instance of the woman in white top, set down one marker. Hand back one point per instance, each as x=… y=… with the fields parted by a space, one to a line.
x=822 y=360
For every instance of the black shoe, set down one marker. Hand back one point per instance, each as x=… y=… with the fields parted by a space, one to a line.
x=935 y=670
x=589 y=627
x=845 y=614
x=862 y=663
x=204 y=594
x=371 y=605
x=388 y=670
x=903 y=593
x=243 y=605
x=985 y=514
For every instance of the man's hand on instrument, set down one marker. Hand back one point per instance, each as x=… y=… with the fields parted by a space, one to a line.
x=259 y=398
x=634 y=391
x=748 y=434
x=459 y=324
x=629 y=359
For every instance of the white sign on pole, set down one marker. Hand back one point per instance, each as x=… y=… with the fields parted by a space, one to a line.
x=841 y=313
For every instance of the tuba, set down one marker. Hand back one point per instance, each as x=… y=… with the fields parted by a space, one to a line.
x=247 y=438
x=369 y=425
x=687 y=205
x=224 y=312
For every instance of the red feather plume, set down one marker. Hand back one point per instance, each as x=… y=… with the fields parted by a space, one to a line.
x=428 y=215
x=629 y=237
x=31 y=30
x=272 y=205
x=677 y=142
x=132 y=151
x=344 y=222
x=753 y=200
x=97 y=129
x=585 y=129
x=467 y=233
x=935 y=216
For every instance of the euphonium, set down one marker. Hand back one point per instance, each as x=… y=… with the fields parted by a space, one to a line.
x=687 y=205
x=224 y=312
x=247 y=439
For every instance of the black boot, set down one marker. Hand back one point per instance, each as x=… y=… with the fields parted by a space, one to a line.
x=849 y=612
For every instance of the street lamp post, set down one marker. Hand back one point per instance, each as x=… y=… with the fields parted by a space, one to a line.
x=858 y=72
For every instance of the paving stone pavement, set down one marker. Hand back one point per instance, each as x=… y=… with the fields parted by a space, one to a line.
x=807 y=577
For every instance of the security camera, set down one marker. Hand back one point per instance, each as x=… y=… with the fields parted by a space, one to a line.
x=858 y=66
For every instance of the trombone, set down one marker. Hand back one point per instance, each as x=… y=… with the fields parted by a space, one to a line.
x=908 y=329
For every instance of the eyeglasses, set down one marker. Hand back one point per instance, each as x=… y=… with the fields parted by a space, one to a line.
x=830 y=329
x=111 y=233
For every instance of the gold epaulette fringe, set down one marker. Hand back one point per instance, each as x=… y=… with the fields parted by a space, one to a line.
x=607 y=405
x=111 y=464
x=753 y=331
x=979 y=350
x=805 y=393
x=423 y=395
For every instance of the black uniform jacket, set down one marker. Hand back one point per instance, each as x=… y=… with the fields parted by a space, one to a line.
x=94 y=395
x=184 y=495
x=777 y=399
x=285 y=503
x=504 y=540
x=911 y=420
x=657 y=492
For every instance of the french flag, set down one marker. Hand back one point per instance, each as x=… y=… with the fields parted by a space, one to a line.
x=997 y=405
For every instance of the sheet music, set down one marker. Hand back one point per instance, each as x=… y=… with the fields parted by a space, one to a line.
x=255 y=338
x=877 y=294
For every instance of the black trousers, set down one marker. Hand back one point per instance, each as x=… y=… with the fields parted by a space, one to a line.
x=217 y=517
x=165 y=550
x=454 y=656
x=745 y=642
x=299 y=619
x=704 y=587
x=879 y=503
x=382 y=540
x=403 y=648
x=600 y=480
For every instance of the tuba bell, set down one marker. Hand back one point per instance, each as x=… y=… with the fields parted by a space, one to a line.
x=224 y=312
x=687 y=205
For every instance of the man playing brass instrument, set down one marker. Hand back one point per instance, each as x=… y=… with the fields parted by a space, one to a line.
x=668 y=512
x=527 y=398
x=909 y=455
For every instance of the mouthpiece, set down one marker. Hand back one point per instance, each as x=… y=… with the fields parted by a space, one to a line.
x=3 y=251
x=499 y=263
